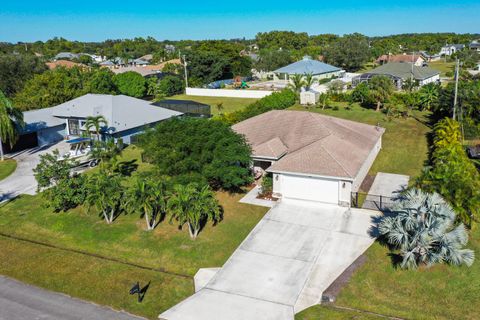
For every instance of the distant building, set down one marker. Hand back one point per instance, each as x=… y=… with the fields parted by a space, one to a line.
x=418 y=60
x=430 y=57
x=475 y=45
x=64 y=63
x=450 y=49
x=170 y=48
x=317 y=69
x=66 y=55
x=400 y=72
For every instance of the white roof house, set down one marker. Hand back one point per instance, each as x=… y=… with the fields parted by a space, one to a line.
x=312 y=156
x=126 y=116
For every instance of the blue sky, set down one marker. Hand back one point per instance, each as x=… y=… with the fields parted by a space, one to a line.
x=88 y=20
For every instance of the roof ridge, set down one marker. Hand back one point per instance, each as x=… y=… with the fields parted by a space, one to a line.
x=338 y=162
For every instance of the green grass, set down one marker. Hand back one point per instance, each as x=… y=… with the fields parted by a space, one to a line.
x=229 y=104
x=166 y=247
x=330 y=313
x=442 y=66
x=404 y=144
x=7 y=167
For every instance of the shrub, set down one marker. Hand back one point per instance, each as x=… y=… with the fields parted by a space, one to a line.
x=275 y=101
x=131 y=84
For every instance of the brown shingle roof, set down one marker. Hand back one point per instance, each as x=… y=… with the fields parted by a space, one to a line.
x=398 y=58
x=315 y=144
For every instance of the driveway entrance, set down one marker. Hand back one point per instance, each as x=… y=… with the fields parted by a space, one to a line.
x=294 y=253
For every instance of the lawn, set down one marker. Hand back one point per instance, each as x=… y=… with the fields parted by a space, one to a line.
x=7 y=167
x=229 y=104
x=440 y=292
x=404 y=144
x=442 y=66
x=166 y=248
x=330 y=313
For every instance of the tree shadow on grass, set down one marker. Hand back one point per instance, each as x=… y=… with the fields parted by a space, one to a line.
x=126 y=168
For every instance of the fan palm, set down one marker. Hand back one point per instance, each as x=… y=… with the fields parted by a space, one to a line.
x=10 y=119
x=296 y=83
x=148 y=197
x=381 y=88
x=96 y=122
x=422 y=227
x=193 y=206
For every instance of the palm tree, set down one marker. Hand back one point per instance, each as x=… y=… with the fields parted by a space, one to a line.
x=296 y=83
x=324 y=99
x=96 y=122
x=193 y=206
x=422 y=227
x=105 y=192
x=10 y=119
x=148 y=197
x=309 y=81
x=429 y=96
x=381 y=88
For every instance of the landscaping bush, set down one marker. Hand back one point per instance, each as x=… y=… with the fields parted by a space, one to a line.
x=275 y=101
x=131 y=84
x=208 y=150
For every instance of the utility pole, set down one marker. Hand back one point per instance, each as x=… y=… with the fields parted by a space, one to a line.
x=186 y=73
x=455 y=99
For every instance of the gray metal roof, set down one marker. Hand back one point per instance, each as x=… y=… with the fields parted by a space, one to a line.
x=403 y=70
x=121 y=112
x=67 y=55
x=308 y=66
x=40 y=119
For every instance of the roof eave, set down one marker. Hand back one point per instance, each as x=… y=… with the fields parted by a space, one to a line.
x=270 y=170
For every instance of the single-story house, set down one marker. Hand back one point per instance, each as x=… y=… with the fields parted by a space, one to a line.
x=400 y=72
x=311 y=156
x=187 y=107
x=126 y=117
x=475 y=45
x=418 y=60
x=430 y=57
x=319 y=70
x=66 y=55
x=450 y=49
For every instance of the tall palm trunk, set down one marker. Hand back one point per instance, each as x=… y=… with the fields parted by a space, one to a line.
x=378 y=106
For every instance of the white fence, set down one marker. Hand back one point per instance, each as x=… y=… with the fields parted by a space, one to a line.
x=258 y=94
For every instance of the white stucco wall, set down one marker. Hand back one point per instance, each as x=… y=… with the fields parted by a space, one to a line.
x=430 y=80
x=258 y=94
x=366 y=166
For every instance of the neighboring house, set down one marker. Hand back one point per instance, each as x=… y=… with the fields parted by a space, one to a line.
x=450 y=49
x=418 y=60
x=107 y=63
x=430 y=57
x=143 y=70
x=475 y=45
x=147 y=57
x=318 y=69
x=66 y=55
x=187 y=107
x=312 y=156
x=64 y=63
x=140 y=62
x=399 y=73
x=126 y=117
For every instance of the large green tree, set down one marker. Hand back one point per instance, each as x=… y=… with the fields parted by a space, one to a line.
x=16 y=69
x=350 y=52
x=204 y=150
x=194 y=206
x=11 y=119
x=206 y=67
x=106 y=193
x=131 y=83
x=270 y=60
x=381 y=89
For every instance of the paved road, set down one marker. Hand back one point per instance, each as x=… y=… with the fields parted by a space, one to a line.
x=22 y=180
x=293 y=254
x=19 y=301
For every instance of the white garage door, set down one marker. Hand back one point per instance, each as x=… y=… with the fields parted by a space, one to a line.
x=309 y=188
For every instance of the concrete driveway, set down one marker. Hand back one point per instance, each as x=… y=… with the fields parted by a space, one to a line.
x=384 y=189
x=296 y=251
x=22 y=180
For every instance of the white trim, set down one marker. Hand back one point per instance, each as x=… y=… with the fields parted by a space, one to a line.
x=311 y=175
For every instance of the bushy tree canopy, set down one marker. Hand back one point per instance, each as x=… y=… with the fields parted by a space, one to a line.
x=131 y=83
x=350 y=52
x=203 y=150
x=15 y=70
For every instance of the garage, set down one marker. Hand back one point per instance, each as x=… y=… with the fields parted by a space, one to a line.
x=307 y=188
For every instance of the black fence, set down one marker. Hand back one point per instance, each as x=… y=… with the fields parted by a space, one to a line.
x=369 y=201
